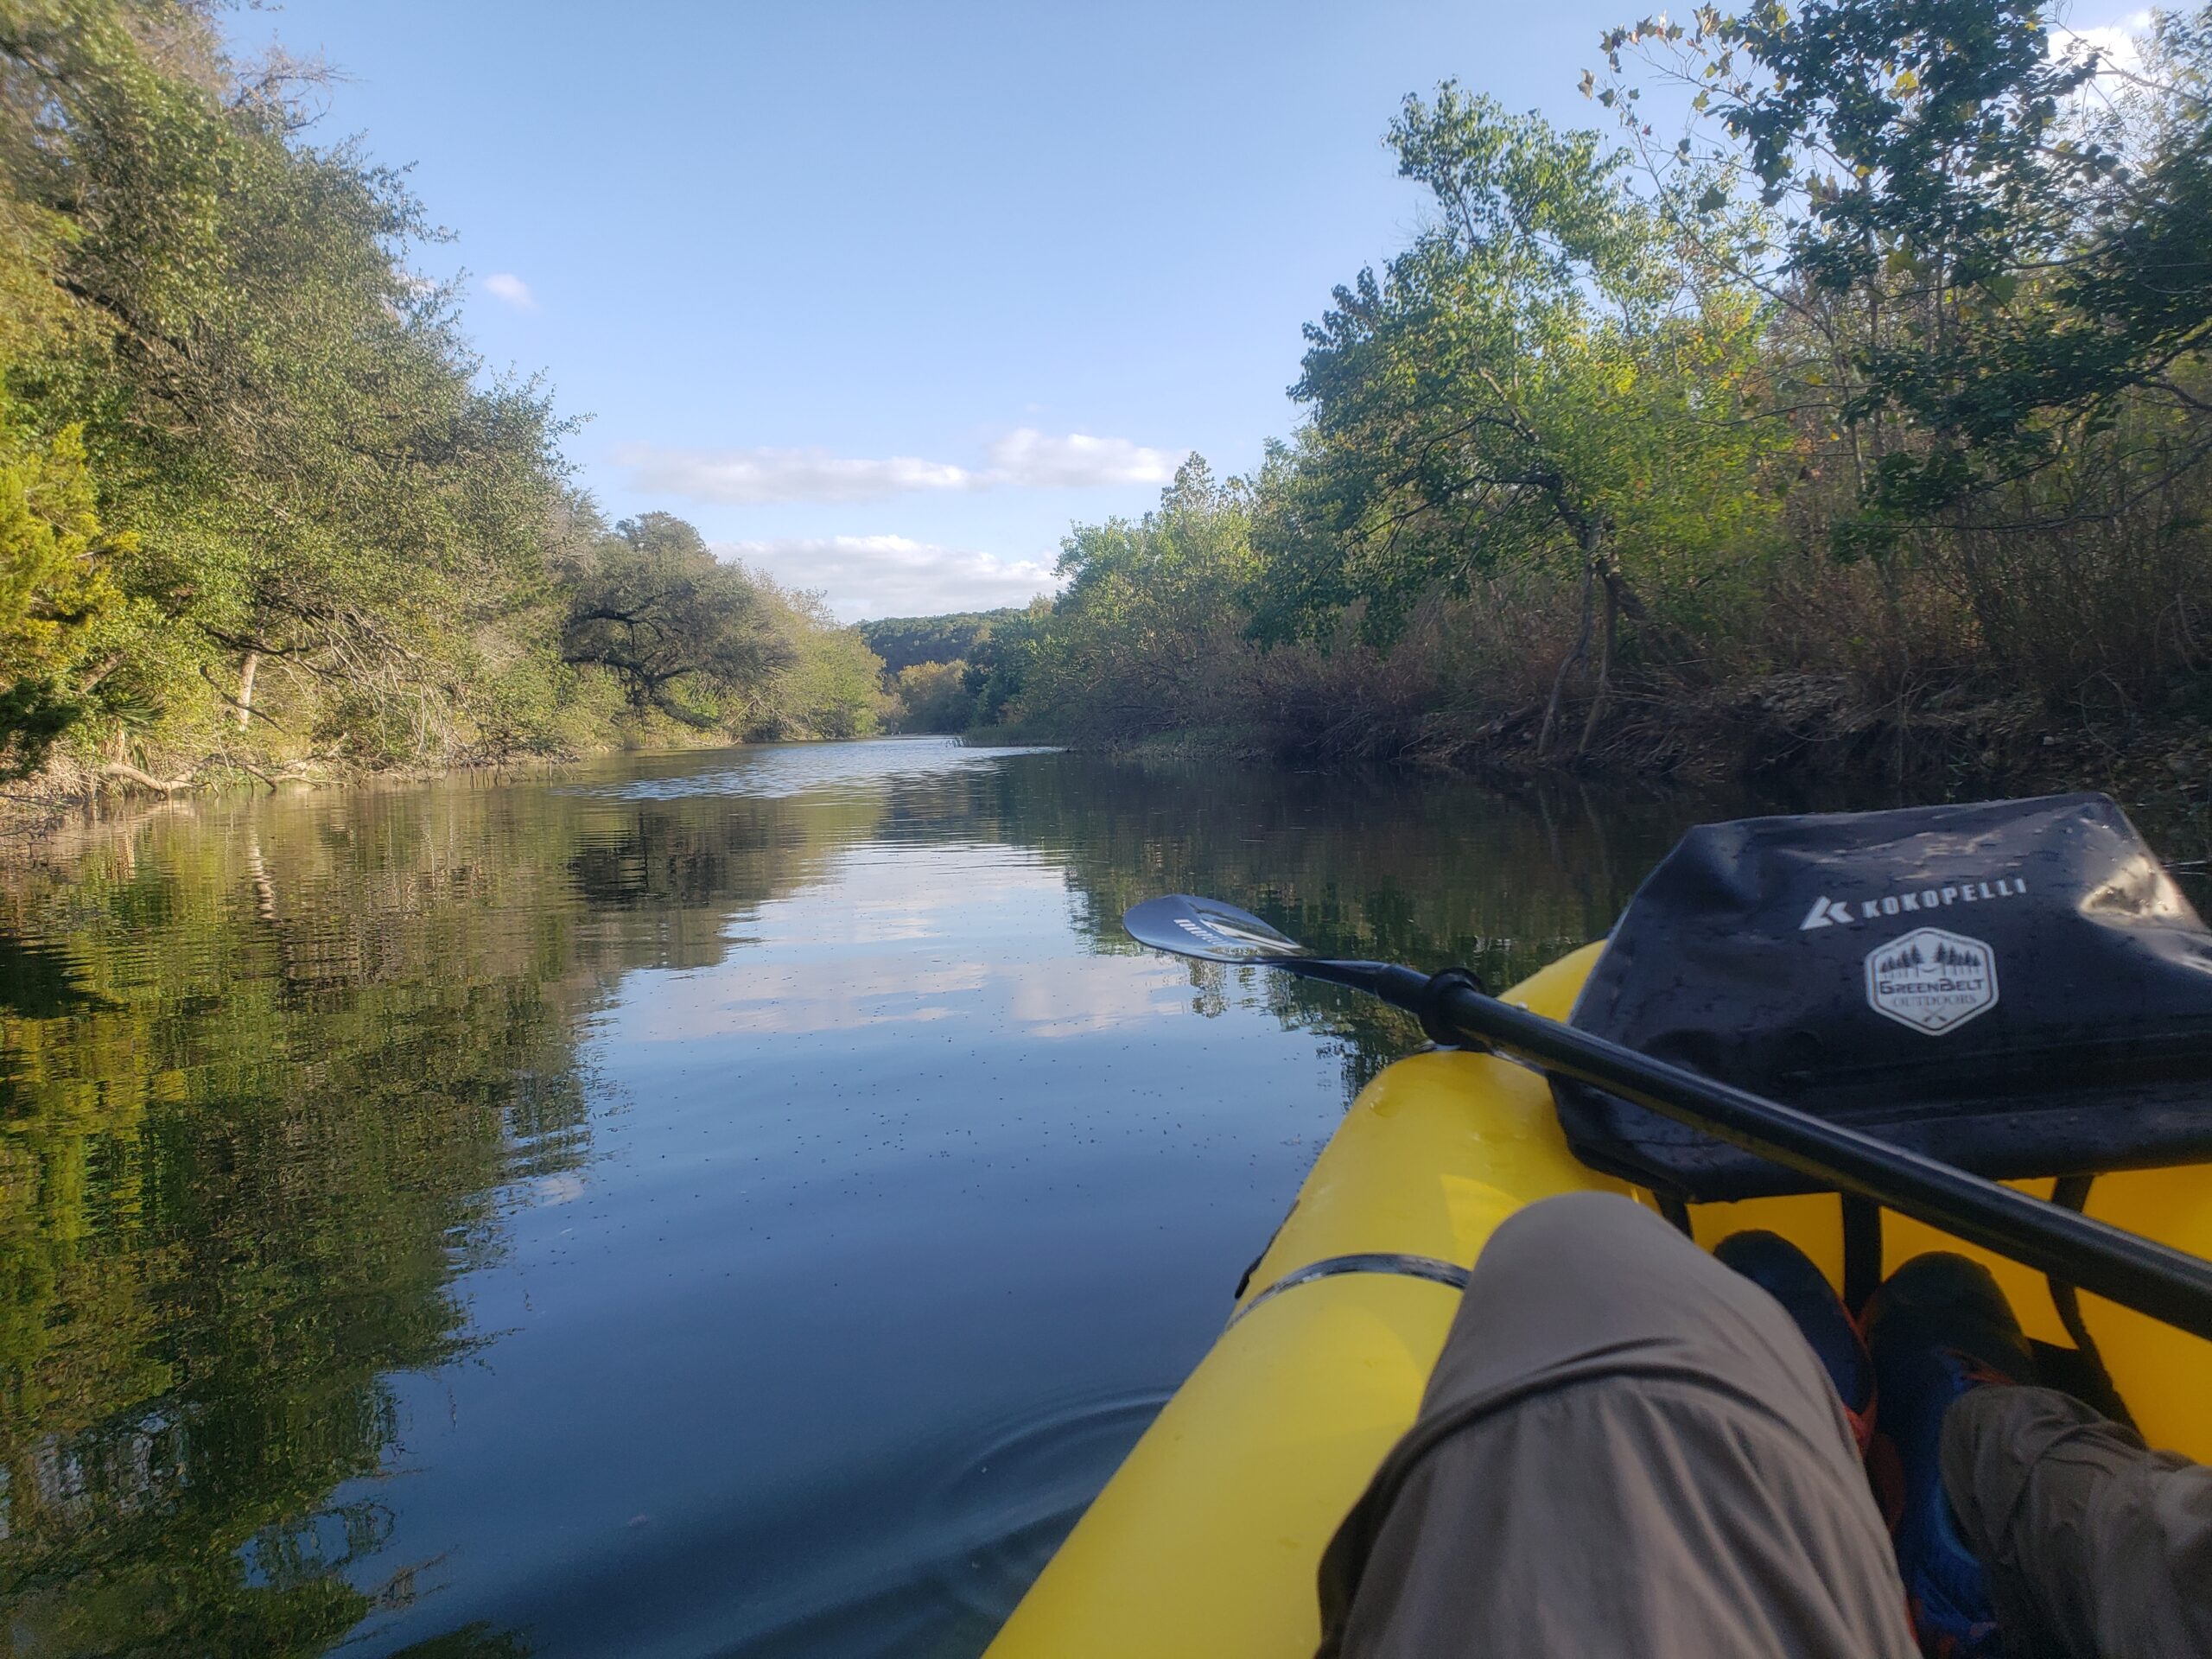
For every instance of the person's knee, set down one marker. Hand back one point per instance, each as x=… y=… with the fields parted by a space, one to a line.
x=1572 y=1235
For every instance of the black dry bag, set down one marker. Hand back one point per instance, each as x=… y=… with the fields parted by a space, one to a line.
x=2017 y=988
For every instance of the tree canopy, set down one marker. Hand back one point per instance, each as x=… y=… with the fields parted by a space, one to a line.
x=1853 y=383
x=261 y=504
x=904 y=641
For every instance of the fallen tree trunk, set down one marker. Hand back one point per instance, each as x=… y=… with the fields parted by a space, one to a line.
x=130 y=774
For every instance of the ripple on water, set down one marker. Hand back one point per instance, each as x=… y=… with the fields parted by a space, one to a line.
x=1005 y=1510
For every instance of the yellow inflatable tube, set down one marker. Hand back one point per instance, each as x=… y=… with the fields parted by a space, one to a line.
x=1205 y=1542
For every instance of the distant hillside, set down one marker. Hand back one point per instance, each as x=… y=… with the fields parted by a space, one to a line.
x=903 y=641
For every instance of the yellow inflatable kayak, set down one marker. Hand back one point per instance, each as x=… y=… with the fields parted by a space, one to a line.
x=1206 y=1542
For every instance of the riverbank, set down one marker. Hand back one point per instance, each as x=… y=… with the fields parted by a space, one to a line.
x=1816 y=732
x=1805 y=735
x=1859 y=513
x=69 y=792
x=323 y=541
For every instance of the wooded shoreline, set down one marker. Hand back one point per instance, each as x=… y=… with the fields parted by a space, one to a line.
x=263 y=512
x=1837 y=405
x=2167 y=768
x=1852 y=419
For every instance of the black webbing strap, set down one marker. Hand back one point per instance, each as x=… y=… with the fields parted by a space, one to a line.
x=2090 y=1381
x=1862 y=1251
x=1399 y=1262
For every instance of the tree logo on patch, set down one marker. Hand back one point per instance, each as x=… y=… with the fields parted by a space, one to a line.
x=1931 y=980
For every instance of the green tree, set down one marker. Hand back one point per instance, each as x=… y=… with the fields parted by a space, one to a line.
x=935 y=697
x=54 y=592
x=324 y=536
x=998 y=661
x=1988 y=301
x=1984 y=261
x=834 y=687
x=325 y=488
x=1541 y=380
x=651 y=605
x=902 y=641
x=285 y=423
x=1146 y=635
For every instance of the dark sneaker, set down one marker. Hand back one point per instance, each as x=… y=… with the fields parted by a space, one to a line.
x=1938 y=1328
x=1787 y=1274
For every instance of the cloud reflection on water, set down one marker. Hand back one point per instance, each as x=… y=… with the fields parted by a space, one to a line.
x=870 y=945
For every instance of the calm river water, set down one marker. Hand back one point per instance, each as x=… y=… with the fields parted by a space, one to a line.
x=734 y=1203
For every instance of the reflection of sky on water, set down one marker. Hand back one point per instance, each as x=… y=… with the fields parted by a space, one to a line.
x=908 y=1206
x=911 y=935
x=776 y=772
x=726 y=1203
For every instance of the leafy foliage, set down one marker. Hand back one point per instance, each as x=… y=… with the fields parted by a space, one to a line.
x=903 y=641
x=651 y=606
x=934 y=697
x=1986 y=249
x=318 y=531
x=54 y=594
x=1148 y=631
x=1876 y=397
x=1537 y=378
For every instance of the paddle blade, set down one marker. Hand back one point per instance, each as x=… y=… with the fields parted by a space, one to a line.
x=1206 y=929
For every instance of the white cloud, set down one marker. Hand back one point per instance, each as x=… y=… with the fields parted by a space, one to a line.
x=894 y=575
x=1077 y=461
x=2114 y=43
x=749 y=477
x=504 y=285
x=1025 y=459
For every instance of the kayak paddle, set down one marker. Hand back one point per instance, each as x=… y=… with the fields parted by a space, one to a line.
x=1453 y=1009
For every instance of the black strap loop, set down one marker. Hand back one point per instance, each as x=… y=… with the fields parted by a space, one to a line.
x=1445 y=1032
x=2093 y=1381
x=1400 y=1262
x=1862 y=1251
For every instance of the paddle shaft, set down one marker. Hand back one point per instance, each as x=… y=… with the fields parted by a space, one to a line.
x=2120 y=1266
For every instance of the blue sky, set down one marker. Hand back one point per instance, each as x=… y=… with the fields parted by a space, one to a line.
x=882 y=296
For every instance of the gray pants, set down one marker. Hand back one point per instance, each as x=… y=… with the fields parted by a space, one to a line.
x=1626 y=1448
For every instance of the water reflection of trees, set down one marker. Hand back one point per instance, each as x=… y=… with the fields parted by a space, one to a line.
x=267 y=1080
x=271 y=1074
x=1430 y=872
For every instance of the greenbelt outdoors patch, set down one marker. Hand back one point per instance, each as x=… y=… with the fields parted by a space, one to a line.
x=1931 y=979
